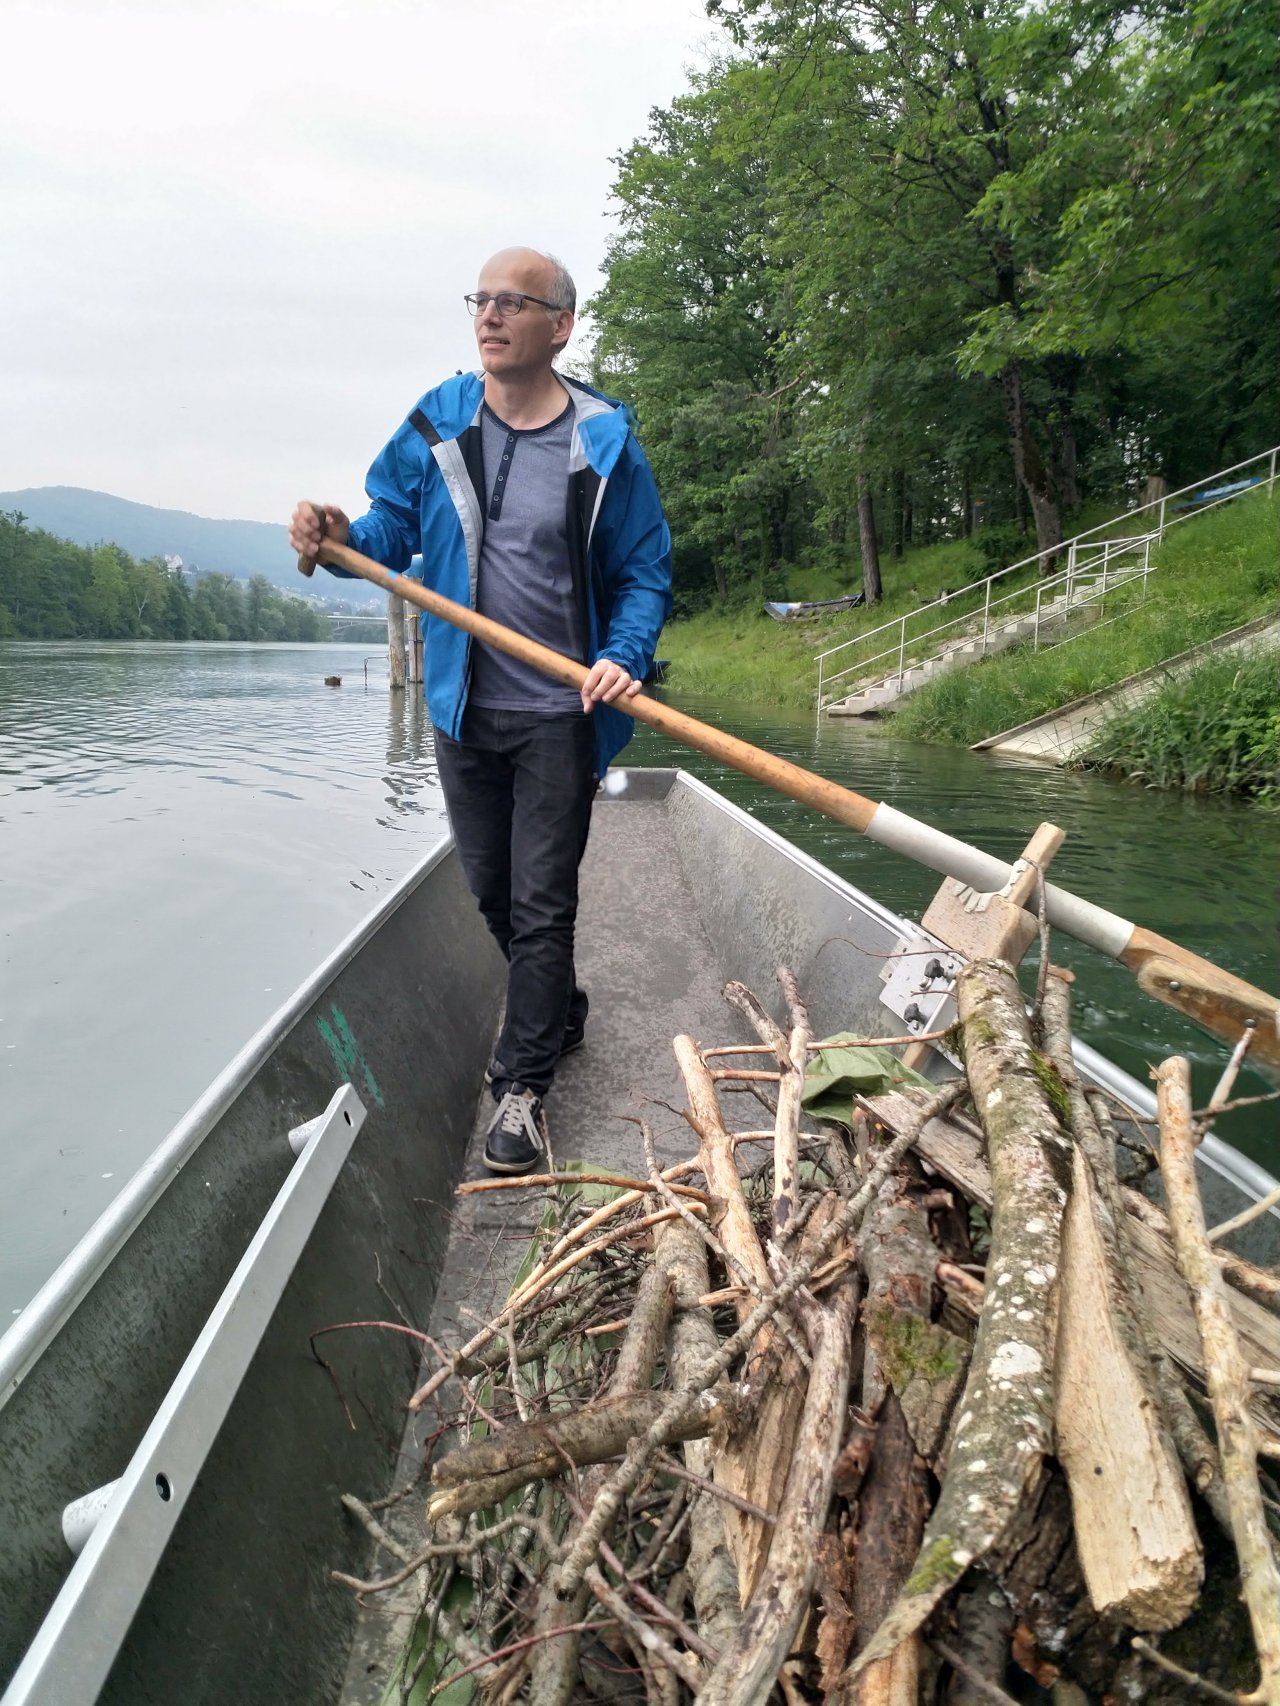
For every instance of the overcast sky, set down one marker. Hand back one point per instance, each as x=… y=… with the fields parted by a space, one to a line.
x=234 y=241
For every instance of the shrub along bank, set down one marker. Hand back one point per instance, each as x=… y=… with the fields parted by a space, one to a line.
x=1216 y=731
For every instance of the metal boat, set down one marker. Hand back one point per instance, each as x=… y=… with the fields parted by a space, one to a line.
x=173 y=1447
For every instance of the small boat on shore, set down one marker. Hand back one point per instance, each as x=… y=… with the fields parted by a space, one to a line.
x=797 y=611
x=176 y=1438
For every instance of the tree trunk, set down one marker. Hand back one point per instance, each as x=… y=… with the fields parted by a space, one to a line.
x=722 y=584
x=898 y=504
x=867 y=539
x=1065 y=376
x=1034 y=477
x=1064 y=461
x=777 y=517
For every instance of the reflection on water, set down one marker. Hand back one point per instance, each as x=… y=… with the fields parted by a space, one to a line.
x=186 y=831
x=411 y=780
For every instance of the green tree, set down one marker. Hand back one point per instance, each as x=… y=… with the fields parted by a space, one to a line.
x=179 y=617
x=905 y=270
x=1168 y=249
x=897 y=127
x=689 y=324
x=52 y=589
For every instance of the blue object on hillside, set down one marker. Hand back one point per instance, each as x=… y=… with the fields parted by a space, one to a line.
x=1214 y=492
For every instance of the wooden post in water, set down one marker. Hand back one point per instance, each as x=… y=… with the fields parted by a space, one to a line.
x=395 y=640
x=413 y=642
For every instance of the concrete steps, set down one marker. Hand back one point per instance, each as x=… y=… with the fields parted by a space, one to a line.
x=1048 y=626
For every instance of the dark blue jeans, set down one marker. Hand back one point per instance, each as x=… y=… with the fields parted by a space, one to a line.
x=519 y=790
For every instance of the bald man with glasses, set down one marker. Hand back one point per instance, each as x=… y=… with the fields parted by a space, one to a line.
x=532 y=502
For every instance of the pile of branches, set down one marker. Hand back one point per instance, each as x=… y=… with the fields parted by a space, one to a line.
x=930 y=1406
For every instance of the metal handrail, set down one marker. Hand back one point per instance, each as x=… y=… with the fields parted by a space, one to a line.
x=978 y=625
x=1088 y=538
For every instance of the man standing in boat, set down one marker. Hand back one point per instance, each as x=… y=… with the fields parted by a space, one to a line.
x=531 y=501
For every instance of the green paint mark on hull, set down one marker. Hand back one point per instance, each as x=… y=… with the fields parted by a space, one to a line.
x=340 y=1041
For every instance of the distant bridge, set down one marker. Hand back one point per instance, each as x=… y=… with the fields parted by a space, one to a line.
x=375 y=618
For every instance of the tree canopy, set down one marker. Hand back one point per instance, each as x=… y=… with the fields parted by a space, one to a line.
x=966 y=262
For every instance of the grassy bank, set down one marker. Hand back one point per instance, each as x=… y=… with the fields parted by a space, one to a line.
x=741 y=653
x=1215 y=573
x=1218 y=565
x=1216 y=731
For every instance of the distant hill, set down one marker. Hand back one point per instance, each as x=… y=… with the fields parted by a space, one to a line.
x=239 y=548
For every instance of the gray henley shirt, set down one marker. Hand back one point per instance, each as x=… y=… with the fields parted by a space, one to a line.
x=525 y=580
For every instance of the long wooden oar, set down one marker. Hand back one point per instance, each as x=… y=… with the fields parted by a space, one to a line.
x=1222 y=1003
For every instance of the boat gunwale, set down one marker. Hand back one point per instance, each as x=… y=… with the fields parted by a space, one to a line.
x=29 y=1337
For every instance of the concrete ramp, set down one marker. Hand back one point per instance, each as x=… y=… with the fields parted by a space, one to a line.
x=1060 y=734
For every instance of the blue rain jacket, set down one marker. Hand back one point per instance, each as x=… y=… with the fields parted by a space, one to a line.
x=427 y=495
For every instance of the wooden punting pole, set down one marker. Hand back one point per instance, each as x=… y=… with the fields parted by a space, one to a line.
x=1222 y=1003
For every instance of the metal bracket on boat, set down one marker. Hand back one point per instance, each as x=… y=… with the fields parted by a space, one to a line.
x=120 y=1531
x=82 y=1516
x=300 y=1135
x=919 y=981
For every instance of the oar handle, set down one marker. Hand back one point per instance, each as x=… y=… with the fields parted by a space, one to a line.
x=307 y=565
x=1218 y=1000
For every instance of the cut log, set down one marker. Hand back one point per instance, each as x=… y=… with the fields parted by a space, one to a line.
x=984 y=1629
x=691 y=1343
x=745 y=1673
x=953 y=1147
x=754 y=1469
x=478 y=1475
x=892 y=1508
x=1136 y=1536
x=1004 y=1428
x=898 y=1258
x=792 y=1054
x=922 y=1362
x=1228 y=1372
x=1137 y=1540
x=553 y=1661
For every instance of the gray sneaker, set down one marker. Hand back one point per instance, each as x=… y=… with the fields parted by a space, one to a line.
x=516 y=1140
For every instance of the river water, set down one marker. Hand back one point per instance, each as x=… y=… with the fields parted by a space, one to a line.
x=186 y=831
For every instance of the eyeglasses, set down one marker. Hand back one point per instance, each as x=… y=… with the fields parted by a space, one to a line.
x=508 y=302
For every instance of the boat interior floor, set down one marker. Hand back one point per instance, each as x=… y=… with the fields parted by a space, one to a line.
x=646 y=960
